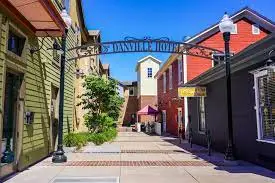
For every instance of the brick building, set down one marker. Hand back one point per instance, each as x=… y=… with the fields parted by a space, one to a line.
x=138 y=94
x=250 y=27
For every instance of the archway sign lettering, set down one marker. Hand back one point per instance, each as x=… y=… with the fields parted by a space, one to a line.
x=147 y=44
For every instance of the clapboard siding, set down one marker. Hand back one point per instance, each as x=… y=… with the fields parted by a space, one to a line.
x=40 y=74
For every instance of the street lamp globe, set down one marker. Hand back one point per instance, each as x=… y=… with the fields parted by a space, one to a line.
x=226 y=24
x=66 y=18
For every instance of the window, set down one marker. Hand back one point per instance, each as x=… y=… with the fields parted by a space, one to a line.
x=67 y=5
x=235 y=29
x=170 y=77
x=265 y=105
x=16 y=43
x=164 y=82
x=131 y=91
x=179 y=120
x=201 y=115
x=149 y=72
x=255 y=29
x=180 y=71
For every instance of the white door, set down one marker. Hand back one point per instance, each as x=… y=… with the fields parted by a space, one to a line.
x=164 y=120
x=179 y=116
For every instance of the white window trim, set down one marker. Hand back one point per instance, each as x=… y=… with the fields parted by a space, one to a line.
x=133 y=91
x=255 y=26
x=259 y=125
x=180 y=71
x=170 y=77
x=259 y=122
x=236 y=29
x=164 y=82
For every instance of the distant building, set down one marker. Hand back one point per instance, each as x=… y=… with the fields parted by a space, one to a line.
x=138 y=94
x=87 y=66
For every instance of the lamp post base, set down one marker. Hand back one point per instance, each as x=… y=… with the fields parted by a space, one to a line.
x=8 y=157
x=59 y=157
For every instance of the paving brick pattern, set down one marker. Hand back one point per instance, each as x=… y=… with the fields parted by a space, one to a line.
x=129 y=163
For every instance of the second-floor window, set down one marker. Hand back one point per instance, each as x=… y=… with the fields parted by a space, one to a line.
x=131 y=91
x=170 y=77
x=16 y=43
x=180 y=71
x=164 y=82
x=235 y=29
x=255 y=29
x=149 y=72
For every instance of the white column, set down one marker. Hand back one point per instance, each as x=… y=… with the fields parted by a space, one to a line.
x=185 y=98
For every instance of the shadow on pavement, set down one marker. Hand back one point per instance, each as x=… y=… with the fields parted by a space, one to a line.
x=217 y=159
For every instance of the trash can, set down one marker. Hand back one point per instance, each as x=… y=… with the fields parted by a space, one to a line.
x=138 y=127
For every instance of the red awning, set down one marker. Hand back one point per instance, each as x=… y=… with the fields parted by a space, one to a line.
x=147 y=110
x=38 y=16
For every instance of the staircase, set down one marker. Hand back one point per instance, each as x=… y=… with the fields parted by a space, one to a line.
x=122 y=111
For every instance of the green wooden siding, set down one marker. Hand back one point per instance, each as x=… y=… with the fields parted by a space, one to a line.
x=38 y=78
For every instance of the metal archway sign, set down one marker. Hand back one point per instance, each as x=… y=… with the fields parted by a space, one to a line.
x=147 y=44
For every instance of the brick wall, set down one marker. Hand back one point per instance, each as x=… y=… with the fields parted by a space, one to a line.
x=131 y=108
x=168 y=101
x=147 y=100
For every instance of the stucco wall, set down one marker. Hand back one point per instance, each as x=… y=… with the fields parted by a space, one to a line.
x=148 y=86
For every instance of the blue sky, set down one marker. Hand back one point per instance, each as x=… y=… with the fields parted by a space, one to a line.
x=174 y=19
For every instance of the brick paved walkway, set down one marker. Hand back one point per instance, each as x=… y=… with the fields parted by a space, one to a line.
x=137 y=157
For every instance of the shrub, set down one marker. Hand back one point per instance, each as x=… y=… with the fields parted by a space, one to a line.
x=98 y=123
x=75 y=140
x=101 y=137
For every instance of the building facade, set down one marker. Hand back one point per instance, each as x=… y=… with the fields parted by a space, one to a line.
x=29 y=81
x=138 y=94
x=250 y=27
x=253 y=105
x=146 y=68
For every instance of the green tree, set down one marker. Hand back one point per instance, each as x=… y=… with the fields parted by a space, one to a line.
x=102 y=102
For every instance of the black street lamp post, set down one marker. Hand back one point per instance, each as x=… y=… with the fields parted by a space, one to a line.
x=226 y=26
x=59 y=155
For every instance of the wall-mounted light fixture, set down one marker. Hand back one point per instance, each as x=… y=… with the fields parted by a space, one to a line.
x=79 y=73
x=56 y=48
x=269 y=61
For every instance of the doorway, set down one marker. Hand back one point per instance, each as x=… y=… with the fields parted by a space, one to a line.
x=10 y=133
x=54 y=116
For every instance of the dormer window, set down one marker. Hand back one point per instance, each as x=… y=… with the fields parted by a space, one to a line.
x=235 y=29
x=255 y=29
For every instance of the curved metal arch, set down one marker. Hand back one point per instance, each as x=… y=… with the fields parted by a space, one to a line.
x=147 y=44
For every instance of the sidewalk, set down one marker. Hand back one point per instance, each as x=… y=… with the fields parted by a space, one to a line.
x=137 y=157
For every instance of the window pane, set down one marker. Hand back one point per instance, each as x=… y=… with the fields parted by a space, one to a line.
x=201 y=110
x=149 y=72
x=266 y=97
x=16 y=43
